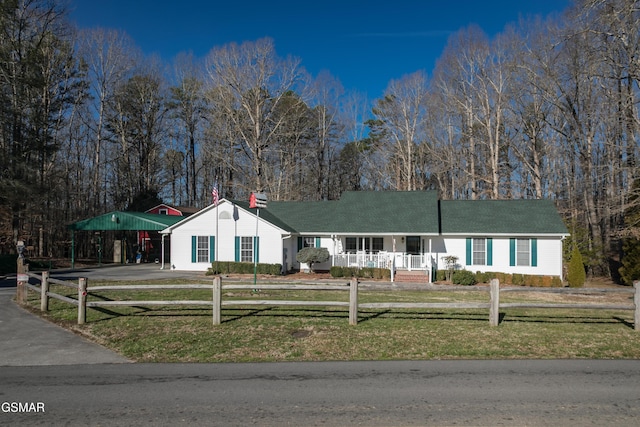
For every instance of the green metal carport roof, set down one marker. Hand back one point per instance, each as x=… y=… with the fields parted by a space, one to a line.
x=121 y=220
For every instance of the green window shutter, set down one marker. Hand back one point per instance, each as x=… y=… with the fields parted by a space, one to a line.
x=212 y=248
x=468 y=262
x=237 y=249
x=512 y=252
x=317 y=242
x=256 y=248
x=534 y=252
x=194 y=249
x=299 y=243
x=489 y=251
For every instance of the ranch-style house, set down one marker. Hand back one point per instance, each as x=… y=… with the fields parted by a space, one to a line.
x=400 y=230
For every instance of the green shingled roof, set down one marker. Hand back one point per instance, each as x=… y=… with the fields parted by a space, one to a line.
x=413 y=212
x=500 y=217
x=377 y=212
x=120 y=220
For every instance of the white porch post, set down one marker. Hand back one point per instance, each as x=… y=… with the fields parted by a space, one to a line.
x=393 y=257
x=162 y=252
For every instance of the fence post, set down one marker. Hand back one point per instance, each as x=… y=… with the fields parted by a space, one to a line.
x=44 y=288
x=494 y=301
x=82 y=300
x=636 y=302
x=21 y=287
x=217 y=299
x=353 y=301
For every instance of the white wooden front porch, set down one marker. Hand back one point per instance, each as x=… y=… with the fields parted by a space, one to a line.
x=403 y=261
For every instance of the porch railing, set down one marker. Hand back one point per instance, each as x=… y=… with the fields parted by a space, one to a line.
x=382 y=260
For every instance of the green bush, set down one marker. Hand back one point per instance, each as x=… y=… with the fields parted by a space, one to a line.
x=577 y=274
x=441 y=275
x=312 y=256
x=463 y=277
x=517 y=279
x=365 y=273
x=228 y=267
x=485 y=276
x=336 y=271
x=630 y=270
x=556 y=282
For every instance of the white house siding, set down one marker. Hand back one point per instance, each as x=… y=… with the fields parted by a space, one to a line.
x=204 y=224
x=549 y=256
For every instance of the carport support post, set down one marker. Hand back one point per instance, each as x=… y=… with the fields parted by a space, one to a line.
x=494 y=303
x=44 y=288
x=636 y=302
x=82 y=300
x=353 y=301
x=217 y=299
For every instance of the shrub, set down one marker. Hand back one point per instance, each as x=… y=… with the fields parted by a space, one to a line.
x=576 y=275
x=312 y=256
x=366 y=273
x=441 y=275
x=556 y=282
x=228 y=267
x=517 y=279
x=630 y=270
x=463 y=277
x=485 y=277
x=336 y=271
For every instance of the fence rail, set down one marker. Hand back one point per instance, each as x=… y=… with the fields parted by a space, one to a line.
x=494 y=305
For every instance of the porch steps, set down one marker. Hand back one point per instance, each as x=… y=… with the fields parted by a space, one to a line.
x=411 y=276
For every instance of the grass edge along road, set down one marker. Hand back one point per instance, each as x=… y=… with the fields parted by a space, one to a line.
x=281 y=333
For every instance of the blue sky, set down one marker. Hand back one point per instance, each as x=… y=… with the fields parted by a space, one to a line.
x=364 y=44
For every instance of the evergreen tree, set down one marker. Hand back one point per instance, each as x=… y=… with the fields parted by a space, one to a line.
x=577 y=274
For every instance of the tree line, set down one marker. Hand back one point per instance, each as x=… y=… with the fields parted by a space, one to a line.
x=546 y=109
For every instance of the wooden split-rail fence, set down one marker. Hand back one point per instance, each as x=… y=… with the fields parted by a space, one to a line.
x=493 y=305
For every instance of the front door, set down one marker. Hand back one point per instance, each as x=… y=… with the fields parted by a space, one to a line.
x=413 y=245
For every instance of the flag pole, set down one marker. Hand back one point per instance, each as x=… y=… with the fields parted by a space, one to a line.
x=216 y=196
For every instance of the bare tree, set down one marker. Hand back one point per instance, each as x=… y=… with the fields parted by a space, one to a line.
x=188 y=108
x=398 y=127
x=248 y=82
x=110 y=56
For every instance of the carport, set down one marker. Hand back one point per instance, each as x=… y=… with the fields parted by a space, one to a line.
x=123 y=221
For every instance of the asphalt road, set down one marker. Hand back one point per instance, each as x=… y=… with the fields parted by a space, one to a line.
x=49 y=376
x=478 y=393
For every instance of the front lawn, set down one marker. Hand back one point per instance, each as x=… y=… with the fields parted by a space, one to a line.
x=289 y=333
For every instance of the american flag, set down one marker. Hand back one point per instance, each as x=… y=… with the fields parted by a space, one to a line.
x=214 y=194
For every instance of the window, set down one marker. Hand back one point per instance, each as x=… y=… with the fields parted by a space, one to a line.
x=246 y=249
x=366 y=244
x=309 y=242
x=163 y=211
x=479 y=252
x=202 y=248
x=351 y=245
x=523 y=252
x=378 y=244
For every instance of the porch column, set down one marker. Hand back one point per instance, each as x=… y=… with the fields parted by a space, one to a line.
x=162 y=252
